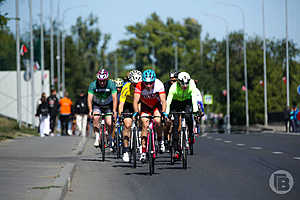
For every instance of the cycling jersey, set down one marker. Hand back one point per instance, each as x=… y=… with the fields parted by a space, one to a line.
x=102 y=95
x=150 y=97
x=177 y=93
x=127 y=93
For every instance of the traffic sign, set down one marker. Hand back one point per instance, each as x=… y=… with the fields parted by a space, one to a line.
x=208 y=99
x=298 y=89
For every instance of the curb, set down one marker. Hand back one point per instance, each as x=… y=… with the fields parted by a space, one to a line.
x=63 y=183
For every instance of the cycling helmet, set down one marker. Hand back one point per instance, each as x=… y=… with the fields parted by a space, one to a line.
x=184 y=78
x=135 y=76
x=149 y=76
x=102 y=74
x=173 y=74
x=119 y=82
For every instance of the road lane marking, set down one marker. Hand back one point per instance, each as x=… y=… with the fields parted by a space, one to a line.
x=240 y=144
x=204 y=135
x=256 y=148
x=218 y=139
x=297 y=158
x=227 y=141
x=209 y=137
x=277 y=152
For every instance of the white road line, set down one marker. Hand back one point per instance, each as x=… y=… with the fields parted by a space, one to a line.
x=204 y=135
x=240 y=144
x=218 y=139
x=209 y=137
x=227 y=141
x=256 y=148
x=297 y=158
x=277 y=152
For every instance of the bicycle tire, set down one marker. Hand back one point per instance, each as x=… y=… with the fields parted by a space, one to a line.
x=150 y=163
x=103 y=143
x=134 y=147
x=191 y=144
x=118 y=143
x=172 y=151
x=184 y=151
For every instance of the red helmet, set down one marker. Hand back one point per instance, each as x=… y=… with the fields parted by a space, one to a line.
x=102 y=74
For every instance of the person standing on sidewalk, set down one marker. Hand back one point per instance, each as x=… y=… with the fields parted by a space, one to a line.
x=81 y=113
x=286 y=118
x=54 y=107
x=43 y=112
x=293 y=117
x=65 y=113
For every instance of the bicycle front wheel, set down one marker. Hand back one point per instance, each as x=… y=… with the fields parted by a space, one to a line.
x=103 y=143
x=184 y=150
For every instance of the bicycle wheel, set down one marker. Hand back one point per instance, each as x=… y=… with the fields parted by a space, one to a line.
x=134 y=147
x=184 y=150
x=150 y=154
x=191 y=144
x=172 y=150
x=118 y=146
x=103 y=143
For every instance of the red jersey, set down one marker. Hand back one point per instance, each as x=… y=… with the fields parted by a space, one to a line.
x=150 y=97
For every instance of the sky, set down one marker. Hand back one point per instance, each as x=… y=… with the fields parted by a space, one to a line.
x=115 y=15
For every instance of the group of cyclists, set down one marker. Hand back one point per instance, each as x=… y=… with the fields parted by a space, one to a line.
x=143 y=94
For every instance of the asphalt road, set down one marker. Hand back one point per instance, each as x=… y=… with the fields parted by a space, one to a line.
x=236 y=166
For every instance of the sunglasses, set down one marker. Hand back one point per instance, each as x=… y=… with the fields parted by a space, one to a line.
x=148 y=83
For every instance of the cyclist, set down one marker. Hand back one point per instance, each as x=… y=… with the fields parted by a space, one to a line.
x=126 y=105
x=151 y=93
x=119 y=84
x=102 y=98
x=173 y=75
x=184 y=96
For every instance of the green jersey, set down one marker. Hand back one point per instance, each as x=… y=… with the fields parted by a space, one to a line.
x=102 y=95
x=177 y=93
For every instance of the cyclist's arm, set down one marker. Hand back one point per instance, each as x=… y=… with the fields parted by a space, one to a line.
x=170 y=97
x=136 y=100
x=162 y=97
x=90 y=101
x=121 y=107
x=115 y=102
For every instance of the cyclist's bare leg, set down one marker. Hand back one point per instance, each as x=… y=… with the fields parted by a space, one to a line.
x=145 y=125
x=96 y=125
x=157 y=122
x=126 y=131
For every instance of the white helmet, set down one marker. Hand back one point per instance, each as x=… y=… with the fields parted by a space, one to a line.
x=184 y=78
x=135 y=76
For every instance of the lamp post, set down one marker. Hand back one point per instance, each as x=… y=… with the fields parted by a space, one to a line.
x=227 y=68
x=63 y=45
x=265 y=65
x=176 y=50
x=245 y=60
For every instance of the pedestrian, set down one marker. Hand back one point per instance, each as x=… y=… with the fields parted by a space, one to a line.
x=54 y=108
x=293 y=117
x=81 y=113
x=286 y=118
x=65 y=113
x=43 y=112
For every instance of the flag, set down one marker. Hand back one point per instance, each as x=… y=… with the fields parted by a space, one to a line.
x=244 y=88
x=36 y=66
x=284 y=79
x=23 y=50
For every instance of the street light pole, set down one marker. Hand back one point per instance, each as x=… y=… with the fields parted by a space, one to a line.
x=227 y=69
x=58 y=54
x=31 y=67
x=63 y=46
x=265 y=65
x=176 y=50
x=51 y=46
x=287 y=57
x=245 y=60
x=19 y=96
x=42 y=46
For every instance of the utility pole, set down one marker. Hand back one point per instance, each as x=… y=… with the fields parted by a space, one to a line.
x=265 y=65
x=31 y=67
x=51 y=45
x=19 y=96
x=42 y=46
x=58 y=54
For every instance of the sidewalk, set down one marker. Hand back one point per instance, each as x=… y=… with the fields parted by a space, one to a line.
x=32 y=167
